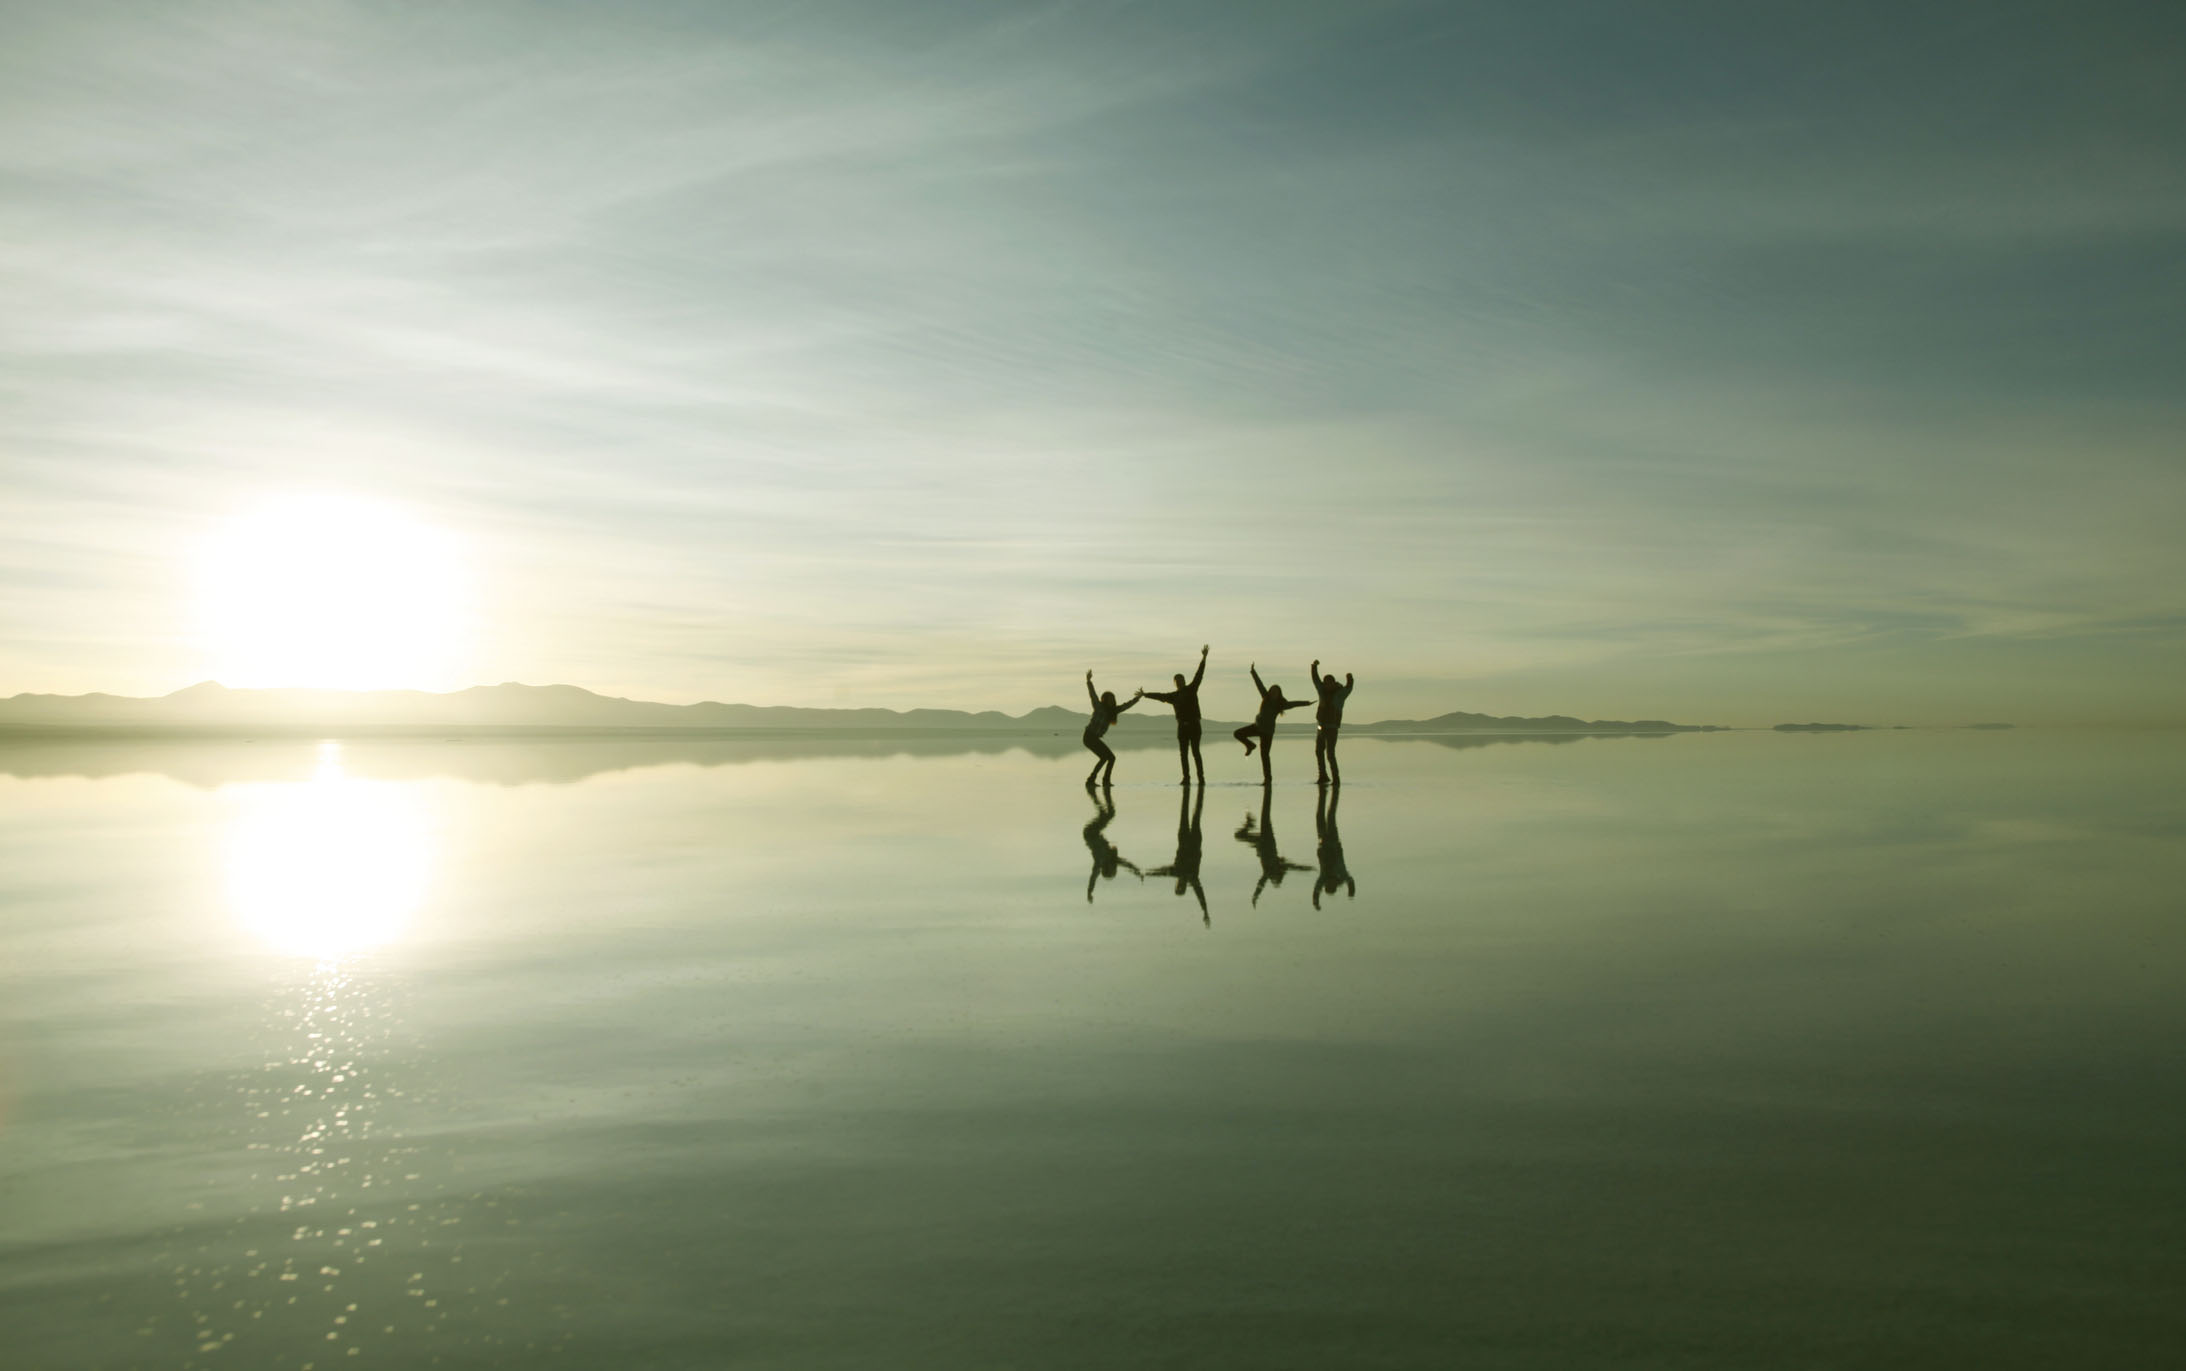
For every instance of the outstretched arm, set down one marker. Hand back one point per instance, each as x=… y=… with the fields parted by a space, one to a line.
x=1201 y=674
x=1295 y=704
x=1257 y=685
x=1167 y=697
x=1130 y=702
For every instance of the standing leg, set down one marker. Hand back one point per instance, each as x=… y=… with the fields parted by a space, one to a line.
x=1184 y=757
x=1199 y=763
x=1102 y=757
x=1267 y=750
x=1335 y=772
x=1320 y=756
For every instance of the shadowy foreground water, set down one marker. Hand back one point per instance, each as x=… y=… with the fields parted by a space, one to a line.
x=1730 y=1051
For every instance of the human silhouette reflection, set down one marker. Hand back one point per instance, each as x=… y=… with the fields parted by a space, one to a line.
x=1185 y=700
x=1189 y=849
x=1106 y=859
x=1273 y=865
x=1262 y=728
x=1105 y=712
x=1335 y=875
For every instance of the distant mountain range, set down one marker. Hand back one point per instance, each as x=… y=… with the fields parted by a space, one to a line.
x=210 y=707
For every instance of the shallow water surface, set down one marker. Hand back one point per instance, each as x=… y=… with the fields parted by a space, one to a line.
x=1727 y=1050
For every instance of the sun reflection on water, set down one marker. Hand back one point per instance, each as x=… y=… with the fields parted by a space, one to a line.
x=332 y=866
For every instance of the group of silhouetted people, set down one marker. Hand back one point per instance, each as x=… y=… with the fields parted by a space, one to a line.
x=1259 y=735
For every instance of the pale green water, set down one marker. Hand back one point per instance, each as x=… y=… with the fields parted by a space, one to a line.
x=1739 y=1050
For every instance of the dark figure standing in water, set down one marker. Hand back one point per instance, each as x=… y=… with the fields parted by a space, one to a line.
x=1105 y=712
x=1185 y=700
x=1189 y=848
x=1334 y=875
x=1273 y=865
x=1272 y=704
x=1106 y=859
x=1328 y=718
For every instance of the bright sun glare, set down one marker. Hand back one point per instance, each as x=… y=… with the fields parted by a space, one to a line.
x=329 y=867
x=334 y=592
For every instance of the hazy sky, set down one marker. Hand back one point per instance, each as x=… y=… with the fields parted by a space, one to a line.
x=1721 y=362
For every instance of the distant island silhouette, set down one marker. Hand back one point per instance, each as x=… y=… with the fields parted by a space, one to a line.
x=211 y=708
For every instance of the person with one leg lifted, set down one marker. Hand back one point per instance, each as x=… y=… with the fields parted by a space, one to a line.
x=1262 y=728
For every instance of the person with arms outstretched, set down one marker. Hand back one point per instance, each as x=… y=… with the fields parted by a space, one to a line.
x=1185 y=701
x=1189 y=849
x=1262 y=728
x=1105 y=712
x=1327 y=719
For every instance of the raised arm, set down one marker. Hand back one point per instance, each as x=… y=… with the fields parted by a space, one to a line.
x=1348 y=685
x=1255 y=681
x=1315 y=672
x=1090 y=693
x=1201 y=674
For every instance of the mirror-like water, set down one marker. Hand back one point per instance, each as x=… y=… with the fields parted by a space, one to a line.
x=1727 y=1051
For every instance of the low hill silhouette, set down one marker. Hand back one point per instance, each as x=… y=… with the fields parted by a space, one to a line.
x=209 y=707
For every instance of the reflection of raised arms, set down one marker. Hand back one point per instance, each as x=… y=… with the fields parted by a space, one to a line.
x=1256 y=682
x=1201 y=674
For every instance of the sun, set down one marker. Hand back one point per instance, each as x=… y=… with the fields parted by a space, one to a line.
x=334 y=592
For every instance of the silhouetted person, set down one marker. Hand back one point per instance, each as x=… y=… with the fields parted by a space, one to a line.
x=1105 y=712
x=1189 y=849
x=1185 y=701
x=1106 y=859
x=1327 y=719
x=1273 y=865
x=1272 y=704
x=1334 y=874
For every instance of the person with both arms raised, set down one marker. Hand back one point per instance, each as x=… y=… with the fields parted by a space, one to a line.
x=1328 y=719
x=1185 y=700
x=1105 y=712
x=1262 y=728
